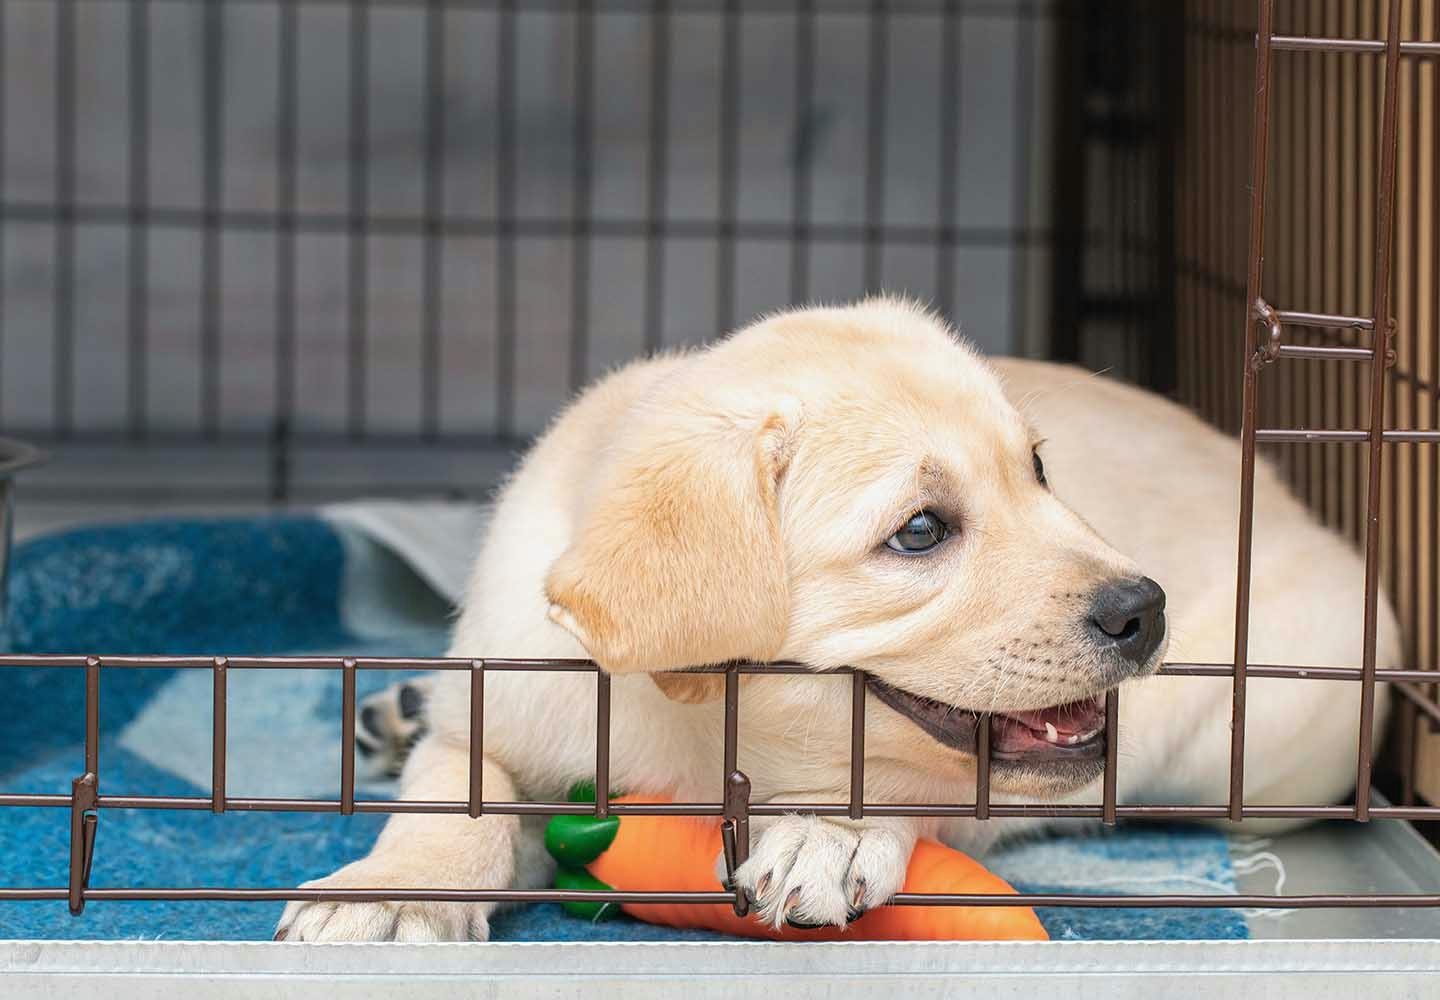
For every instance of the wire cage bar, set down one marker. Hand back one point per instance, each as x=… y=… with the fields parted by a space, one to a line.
x=86 y=801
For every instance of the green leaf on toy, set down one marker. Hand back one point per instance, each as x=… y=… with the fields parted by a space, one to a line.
x=579 y=879
x=578 y=840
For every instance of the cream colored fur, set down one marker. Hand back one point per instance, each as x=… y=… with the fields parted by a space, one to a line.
x=733 y=503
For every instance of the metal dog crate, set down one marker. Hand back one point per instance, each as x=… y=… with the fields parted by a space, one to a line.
x=290 y=237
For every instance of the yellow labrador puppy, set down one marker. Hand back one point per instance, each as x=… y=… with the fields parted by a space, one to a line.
x=856 y=486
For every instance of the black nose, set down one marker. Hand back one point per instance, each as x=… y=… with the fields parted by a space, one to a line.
x=1129 y=617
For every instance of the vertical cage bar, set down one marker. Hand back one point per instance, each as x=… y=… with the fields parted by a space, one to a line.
x=878 y=26
x=1111 y=263
x=1259 y=175
x=802 y=153
x=505 y=273
x=1119 y=155
x=64 y=284
x=218 y=742
x=1433 y=517
x=1410 y=360
x=1298 y=376
x=1229 y=396
x=1326 y=273
x=92 y=714
x=286 y=170
x=657 y=176
x=1168 y=86
x=1024 y=120
x=84 y=792
x=358 y=243
x=1384 y=250
x=982 y=767
x=1293 y=165
x=1185 y=221
x=1211 y=374
x=477 y=737
x=1348 y=214
x=950 y=129
x=1112 y=756
x=1069 y=199
x=583 y=130
x=83 y=820
x=1409 y=742
x=732 y=719
x=602 y=744
x=137 y=231
x=434 y=199
x=347 y=738
x=1334 y=243
x=1390 y=491
x=735 y=830
x=857 y=745
x=727 y=207
x=213 y=154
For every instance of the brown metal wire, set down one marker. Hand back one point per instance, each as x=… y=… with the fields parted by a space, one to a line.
x=219 y=715
x=735 y=810
x=475 y=806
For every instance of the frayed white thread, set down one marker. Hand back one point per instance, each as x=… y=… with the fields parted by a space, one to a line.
x=1253 y=857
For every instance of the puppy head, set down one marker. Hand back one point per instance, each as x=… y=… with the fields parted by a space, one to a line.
x=851 y=487
x=680 y=561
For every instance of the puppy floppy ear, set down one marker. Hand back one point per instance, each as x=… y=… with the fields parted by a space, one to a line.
x=680 y=563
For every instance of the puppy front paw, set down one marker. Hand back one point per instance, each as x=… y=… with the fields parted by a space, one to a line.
x=382 y=921
x=808 y=872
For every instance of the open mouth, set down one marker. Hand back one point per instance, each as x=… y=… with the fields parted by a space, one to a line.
x=1070 y=732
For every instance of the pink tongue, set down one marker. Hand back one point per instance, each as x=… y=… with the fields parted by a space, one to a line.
x=1068 y=720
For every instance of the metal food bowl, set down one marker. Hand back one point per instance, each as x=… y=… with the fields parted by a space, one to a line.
x=15 y=456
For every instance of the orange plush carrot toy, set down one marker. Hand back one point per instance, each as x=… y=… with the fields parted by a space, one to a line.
x=677 y=854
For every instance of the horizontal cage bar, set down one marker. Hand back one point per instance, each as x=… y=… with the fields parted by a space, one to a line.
x=565 y=665
x=1213 y=902
x=957 y=810
x=1305 y=43
x=1300 y=436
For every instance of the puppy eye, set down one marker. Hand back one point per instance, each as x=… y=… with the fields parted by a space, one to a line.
x=921 y=533
x=1039 y=468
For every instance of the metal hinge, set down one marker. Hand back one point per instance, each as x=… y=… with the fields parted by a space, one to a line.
x=735 y=833
x=84 y=820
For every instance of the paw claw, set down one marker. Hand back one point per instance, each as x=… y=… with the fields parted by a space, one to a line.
x=811 y=872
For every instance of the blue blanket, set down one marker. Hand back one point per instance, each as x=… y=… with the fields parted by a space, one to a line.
x=287 y=585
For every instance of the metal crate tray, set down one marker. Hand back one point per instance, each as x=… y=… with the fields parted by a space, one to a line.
x=1343 y=856
x=1302 y=954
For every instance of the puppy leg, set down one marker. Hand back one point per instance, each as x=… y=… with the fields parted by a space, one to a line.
x=420 y=852
x=807 y=871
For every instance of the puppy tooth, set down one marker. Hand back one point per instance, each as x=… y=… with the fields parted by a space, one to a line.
x=1051 y=734
x=1074 y=739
